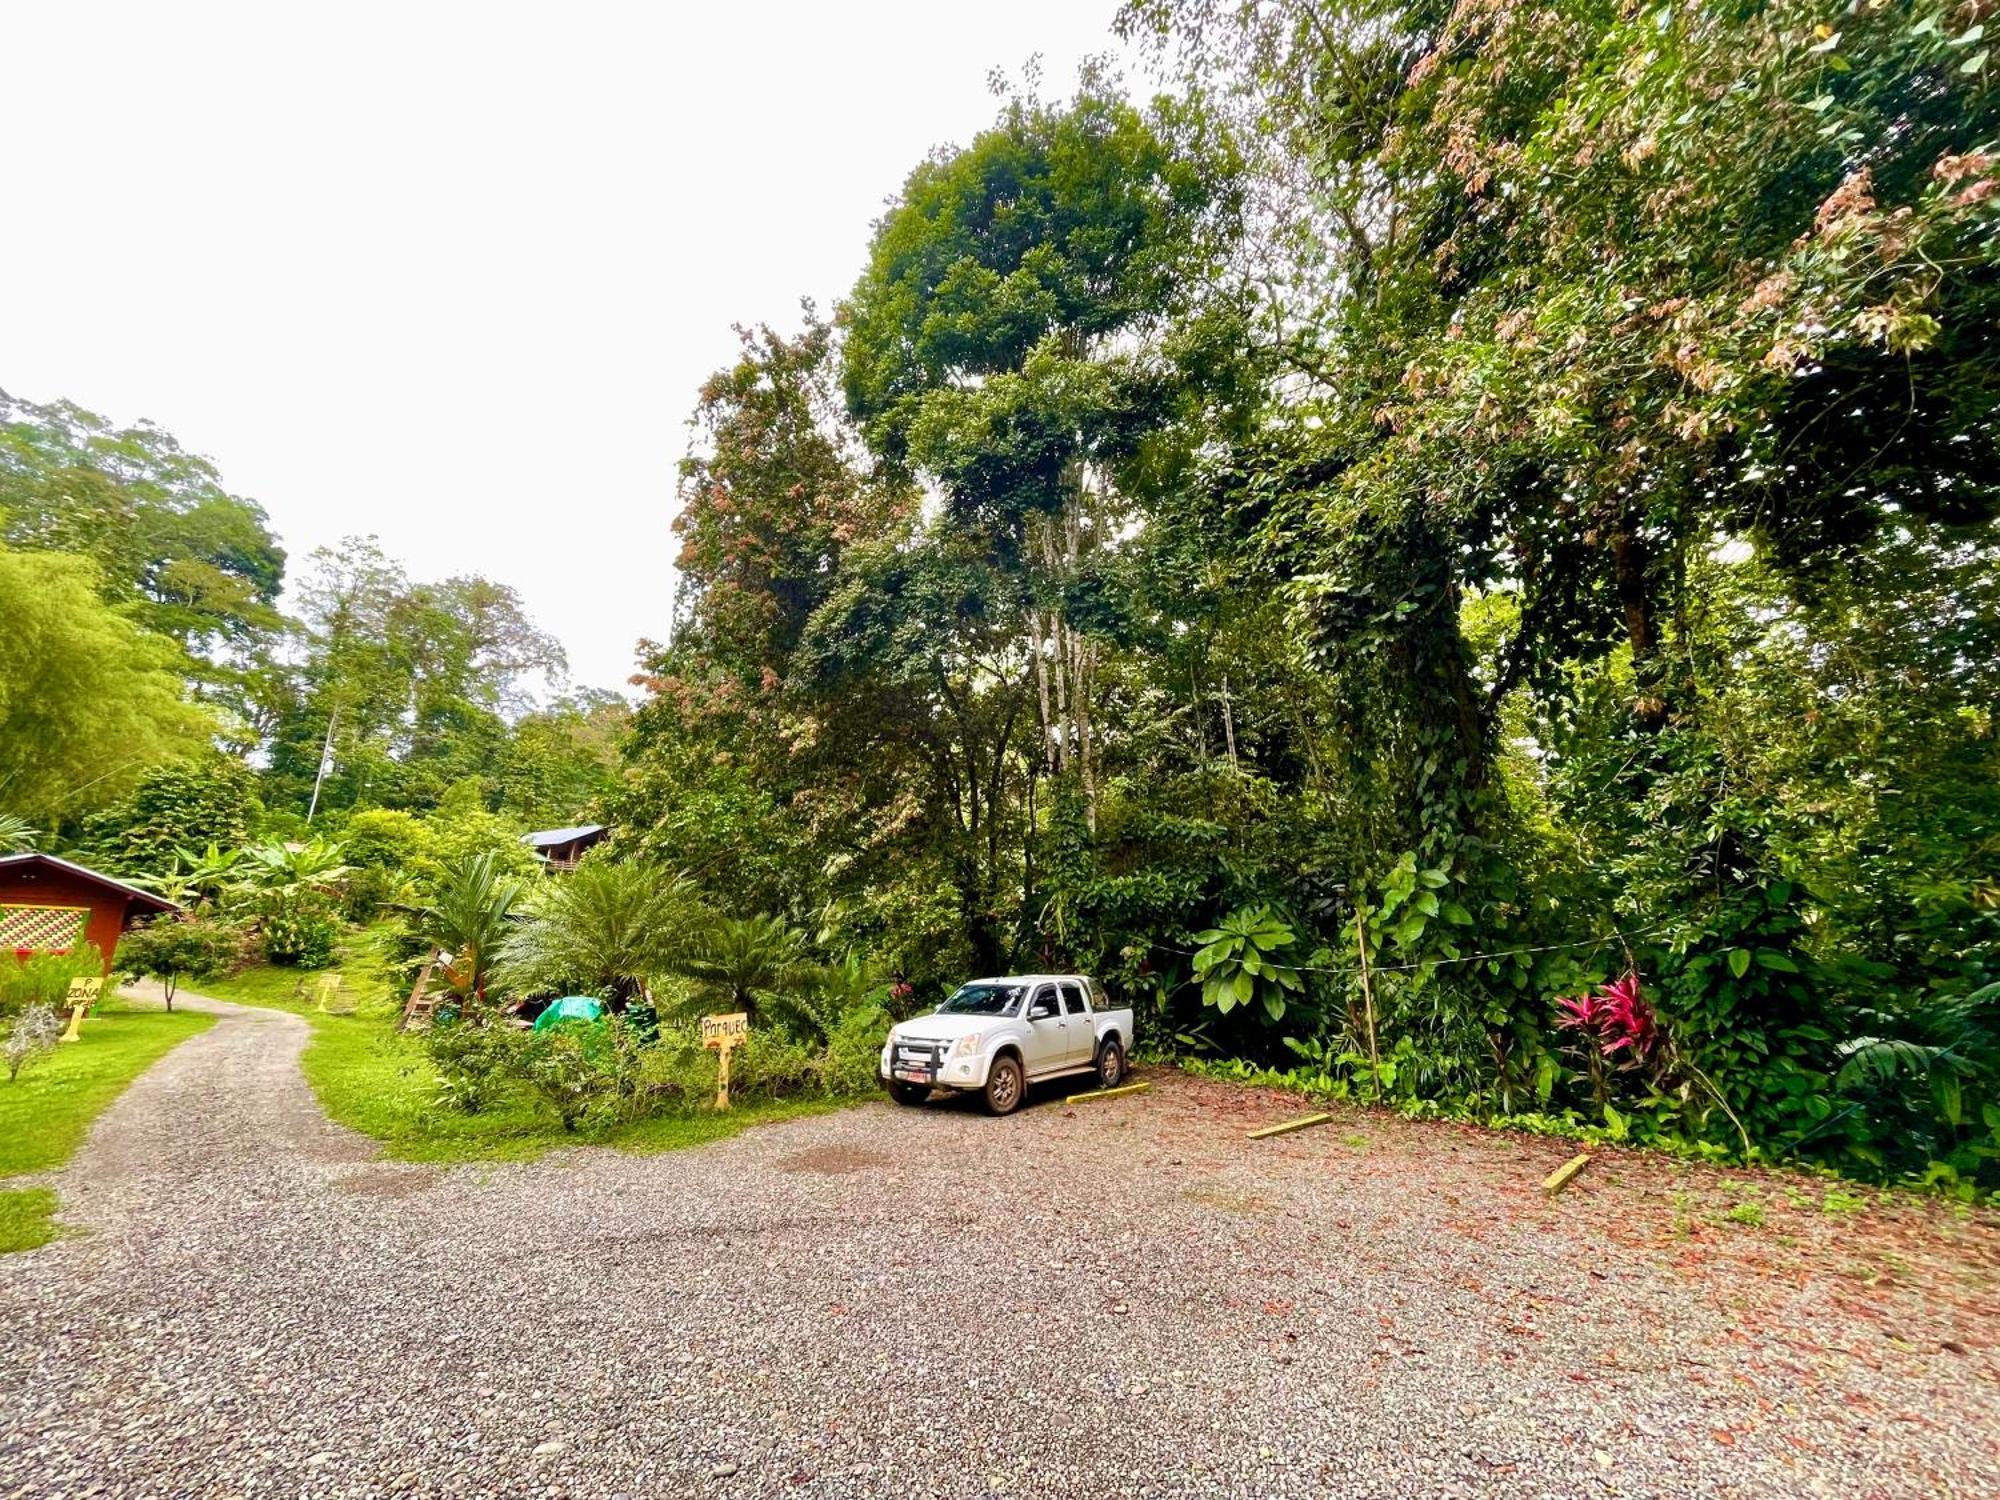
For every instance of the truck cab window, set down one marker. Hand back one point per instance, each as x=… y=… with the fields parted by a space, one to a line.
x=1044 y=1005
x=1073 y=998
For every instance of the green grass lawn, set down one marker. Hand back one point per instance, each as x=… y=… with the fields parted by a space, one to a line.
x=380 y=1082
x=46 y=1111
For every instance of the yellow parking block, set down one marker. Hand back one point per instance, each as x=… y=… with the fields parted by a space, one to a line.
x=1130 y=1088
x=1288 y=1126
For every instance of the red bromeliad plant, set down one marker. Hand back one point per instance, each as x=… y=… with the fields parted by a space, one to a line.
x=1622 y=1033
x=1615 y=1020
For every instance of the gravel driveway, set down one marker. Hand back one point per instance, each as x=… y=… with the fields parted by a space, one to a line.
x=1119 y=1298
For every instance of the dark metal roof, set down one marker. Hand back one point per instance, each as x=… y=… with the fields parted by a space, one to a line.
x=147 y=899
x=549 y=838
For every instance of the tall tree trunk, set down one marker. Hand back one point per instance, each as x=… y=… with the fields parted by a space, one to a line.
x=1628 y=576
x=1228 y=723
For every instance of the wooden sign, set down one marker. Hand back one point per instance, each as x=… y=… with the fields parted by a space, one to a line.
x=83 y=993
x=723 y=1034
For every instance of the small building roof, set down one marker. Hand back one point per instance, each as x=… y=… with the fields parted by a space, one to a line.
x=149 y=900
x=550 y=838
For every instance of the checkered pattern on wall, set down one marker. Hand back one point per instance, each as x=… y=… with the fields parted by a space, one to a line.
x=31 y=929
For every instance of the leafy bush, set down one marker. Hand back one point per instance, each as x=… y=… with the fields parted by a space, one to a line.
x=854 y=1050
x=474 y=1062
x=572 y=1066
x=168 y=948
x=460 y=830
x=772 y=1065
x=32 y=1036
x=174 y=807
x=297 y=928
x=382 y=838
x=1238 y=963
x=387 y=848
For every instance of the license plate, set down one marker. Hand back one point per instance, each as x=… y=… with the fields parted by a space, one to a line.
x=912 y=1075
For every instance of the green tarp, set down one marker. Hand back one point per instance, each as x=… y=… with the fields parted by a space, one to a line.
x=569 y=1008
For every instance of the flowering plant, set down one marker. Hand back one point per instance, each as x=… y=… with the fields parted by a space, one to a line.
x=1615 y=1019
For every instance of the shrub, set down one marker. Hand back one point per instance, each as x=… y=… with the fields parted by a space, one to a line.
x=854 y=1051
x=298 y=928
x=676 y=1071
x=565 y=1066
x=174 y=807
x=367 y=892
x=771 y=1065
x=382 y=838
x=386 y=847
x=33 y=1035
x=171 y=947
x=474 y=1063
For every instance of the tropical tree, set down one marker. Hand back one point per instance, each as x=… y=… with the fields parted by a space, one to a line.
x=606 y=929
x=470 y=916
x=170 y=948
x=88 y=700
x=742 y=961
x=197 y=563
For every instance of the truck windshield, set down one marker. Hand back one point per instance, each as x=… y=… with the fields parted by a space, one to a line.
x=983 y=1000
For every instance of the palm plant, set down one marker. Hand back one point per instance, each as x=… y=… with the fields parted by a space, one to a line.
x=1935 y=1069
x=470 y=916
x=744 y=960
x=604 y=929
x=17 y=835
x=816 y=997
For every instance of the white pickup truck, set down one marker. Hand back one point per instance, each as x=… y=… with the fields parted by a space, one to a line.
x=996 y=1036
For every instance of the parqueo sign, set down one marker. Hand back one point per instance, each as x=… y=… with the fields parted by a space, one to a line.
x=723 y=1033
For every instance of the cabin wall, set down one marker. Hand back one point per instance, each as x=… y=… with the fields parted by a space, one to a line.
x=40 y=886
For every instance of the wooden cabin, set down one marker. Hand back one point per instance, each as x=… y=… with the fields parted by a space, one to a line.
x=48 y=905
x=561 y=848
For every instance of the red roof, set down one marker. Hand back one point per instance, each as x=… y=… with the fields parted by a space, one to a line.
x=147 y=899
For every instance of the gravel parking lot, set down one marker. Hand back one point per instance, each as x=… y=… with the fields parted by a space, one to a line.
x=1117 y=1298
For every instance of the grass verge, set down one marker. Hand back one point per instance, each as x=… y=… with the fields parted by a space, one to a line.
x=27 y=1218
x=381 y=1082
x=45 y=1113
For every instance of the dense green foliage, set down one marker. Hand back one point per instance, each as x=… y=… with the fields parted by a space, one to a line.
x=88 y=700
x=1499 y=496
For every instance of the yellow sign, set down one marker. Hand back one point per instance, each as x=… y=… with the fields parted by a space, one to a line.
x=83 y=994
x=723 y=1034
x=725 y=1031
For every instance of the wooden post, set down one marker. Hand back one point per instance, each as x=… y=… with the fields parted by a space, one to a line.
x=722 y=1034
x=1368 y=1000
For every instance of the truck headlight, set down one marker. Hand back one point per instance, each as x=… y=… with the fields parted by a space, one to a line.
x=966 y=1045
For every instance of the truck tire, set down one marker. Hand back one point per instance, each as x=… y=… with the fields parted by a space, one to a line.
x=1005 y=1084
x=909 y=1095
x=1110 y=1064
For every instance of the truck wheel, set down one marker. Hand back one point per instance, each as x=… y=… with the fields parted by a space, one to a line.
x=910 y=1094
x=1110 y=1064
x=1005 y=1083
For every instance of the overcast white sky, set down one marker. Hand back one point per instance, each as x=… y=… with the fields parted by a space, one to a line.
x=452 y=273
